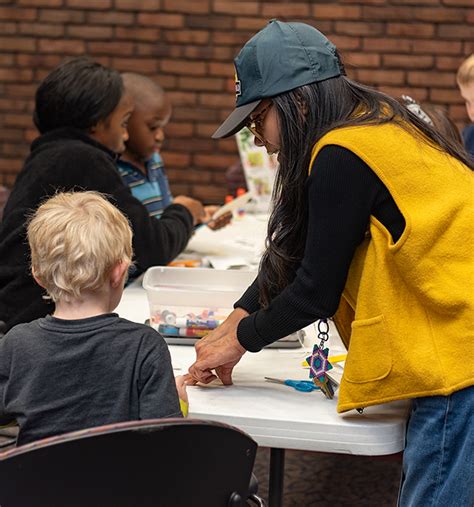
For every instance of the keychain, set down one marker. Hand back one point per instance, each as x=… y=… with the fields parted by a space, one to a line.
x=319 y=363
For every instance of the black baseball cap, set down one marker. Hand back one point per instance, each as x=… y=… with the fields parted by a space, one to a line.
x=279 y=58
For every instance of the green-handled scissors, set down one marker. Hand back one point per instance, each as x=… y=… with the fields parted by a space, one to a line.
x=305 y=386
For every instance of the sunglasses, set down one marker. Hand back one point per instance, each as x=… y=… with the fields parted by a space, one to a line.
x=255 y=124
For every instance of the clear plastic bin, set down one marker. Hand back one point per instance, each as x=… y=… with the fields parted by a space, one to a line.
x=201 y=298
x=188 y=303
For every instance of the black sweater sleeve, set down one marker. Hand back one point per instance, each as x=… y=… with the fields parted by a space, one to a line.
x=342 y=192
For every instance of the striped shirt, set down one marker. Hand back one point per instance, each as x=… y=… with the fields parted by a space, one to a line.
x=153 y=189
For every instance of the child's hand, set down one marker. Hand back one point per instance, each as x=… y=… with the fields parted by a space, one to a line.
x=220 y=222
x=194 y=206
x=181 y=387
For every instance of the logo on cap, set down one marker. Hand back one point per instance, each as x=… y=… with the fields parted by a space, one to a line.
x=238 y=89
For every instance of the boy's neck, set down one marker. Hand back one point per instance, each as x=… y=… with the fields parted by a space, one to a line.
x=133 y=159
x=90 y=305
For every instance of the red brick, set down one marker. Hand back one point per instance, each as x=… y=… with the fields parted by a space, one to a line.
x=16 y=75
x=235 y=7
x=158 y=50
x=387 y=13
x=441 y=79
x=182 y=98
x=62 y=16
x=200 y=83
x=72 y=47
x=449 y=62
x=6 y=60
x=40 y=3
x=345 y=42
x=161 y=20
x=252 y=23
x=15 y=14
x=10 y=164
x=415 y=30
x=445 y=96
x=381 y=77
x=331 y=11
x=192 y=145
x=387 y=45
x=460 y=3
x=17 y=44
x=208 y=194
x=198 y=52
x=111 y=18
x=167 y=81
x=419 y=94
x=231 y=38
x=458 y=32
x=186 y=36
x=20 y=90
x=14 y=150
x=110 y=48
x=215 y=21
x=8 y=28
x=17 y=120
x=138 y=5
x=287 y=9
x=176 y=159
x=408 y=61
x=416 y=2
x=42 y=29
x=226 y=101
x=179 y=130
x=9 y=104
x=187 y=6
x=195 y=114
x=228 y=145
x=141 y=65
x=362 y=59
x=185 y=67
x=90 y=32
x=37 y=60
x=189 y=175
x=358 y=28
x=137 y=34
x=440 y=47
x=221 y=69
x=88 y=4
x=223 y=53
x=211 y=160
x=206 y=129
x=439 y=14
x=11 y=134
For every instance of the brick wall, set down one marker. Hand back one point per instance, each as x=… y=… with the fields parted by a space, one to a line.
x=400 y=46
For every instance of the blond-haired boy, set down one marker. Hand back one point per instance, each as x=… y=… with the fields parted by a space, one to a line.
x=83 y=366
x=465 y=80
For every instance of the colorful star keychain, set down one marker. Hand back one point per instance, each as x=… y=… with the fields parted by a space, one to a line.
x=319 y=363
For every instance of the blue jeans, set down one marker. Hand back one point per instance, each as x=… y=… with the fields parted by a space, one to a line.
x=438 y=462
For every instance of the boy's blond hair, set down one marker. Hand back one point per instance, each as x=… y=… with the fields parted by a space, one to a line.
x=465 y=73
x=76 y=238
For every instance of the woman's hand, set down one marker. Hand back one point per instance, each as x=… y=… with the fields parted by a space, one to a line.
x=219 y=351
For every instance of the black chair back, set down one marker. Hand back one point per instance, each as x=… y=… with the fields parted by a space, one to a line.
x=169 y=463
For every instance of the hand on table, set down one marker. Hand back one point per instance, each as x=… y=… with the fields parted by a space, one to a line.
x=220 y=351
x=218 y=223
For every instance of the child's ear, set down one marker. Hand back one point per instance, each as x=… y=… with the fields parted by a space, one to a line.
x=119 y=271
x=37 y=280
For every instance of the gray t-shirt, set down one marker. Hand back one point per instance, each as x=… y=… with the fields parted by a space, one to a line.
x=61 y=375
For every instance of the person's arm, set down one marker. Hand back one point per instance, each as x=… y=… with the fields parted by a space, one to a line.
x=341 y=192
x=249 y=300
x=158 y=396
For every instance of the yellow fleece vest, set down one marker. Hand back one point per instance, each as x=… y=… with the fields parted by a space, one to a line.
x=413 y=333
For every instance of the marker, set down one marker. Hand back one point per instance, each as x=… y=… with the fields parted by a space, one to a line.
x=182 y=331
x=197 y=322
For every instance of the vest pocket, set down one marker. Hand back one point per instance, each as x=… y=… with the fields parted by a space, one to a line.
x=370 y=352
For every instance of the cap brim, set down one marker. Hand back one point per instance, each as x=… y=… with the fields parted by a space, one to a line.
x=236 y=120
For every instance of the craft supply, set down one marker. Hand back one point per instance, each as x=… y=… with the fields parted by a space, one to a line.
x=196 y=322
x=305 y=386
x=332 y=359
x=182 y=331
x=233 y=205
x=168 y=317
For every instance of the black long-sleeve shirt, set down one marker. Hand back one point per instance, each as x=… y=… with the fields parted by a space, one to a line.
x=67 y=159
x=343 y=192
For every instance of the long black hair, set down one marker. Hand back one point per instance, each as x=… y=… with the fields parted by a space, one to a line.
x=305 y=114
x=78 y=93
